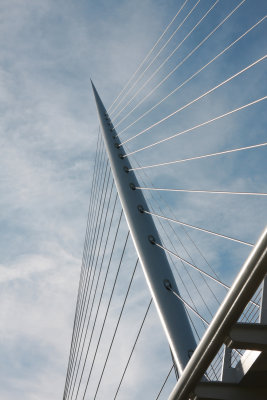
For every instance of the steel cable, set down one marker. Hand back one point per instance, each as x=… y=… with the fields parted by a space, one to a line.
x=188 y=79
x=199 y=228
x=99 y=303
x=201 y=125
x=224 y=82
x=190 y=307
x=95 y=215
x=177 y=271
x=166 y=59
x=98 y=161
x=199 y=270
x=201 y=191
x=106 y=314
x=116 y=328
x=188 y=235
x=100 y=270
x=164 y=383
x=81 y=319
x=81 y=273
x=156 y=56
x=90 y=291
x=196 y=48
x=132 y=350
x=147 y=56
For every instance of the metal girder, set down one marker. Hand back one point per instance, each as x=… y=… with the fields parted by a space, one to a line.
x=153 y=259
x=229 y=391
x=248 y=336
x=243 y=288
x=250 y=369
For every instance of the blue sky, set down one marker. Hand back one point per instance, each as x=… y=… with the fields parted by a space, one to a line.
x=49 y=52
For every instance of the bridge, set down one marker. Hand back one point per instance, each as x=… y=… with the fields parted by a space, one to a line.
x=173 y=224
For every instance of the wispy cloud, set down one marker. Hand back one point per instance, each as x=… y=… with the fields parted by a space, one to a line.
x=49 y=50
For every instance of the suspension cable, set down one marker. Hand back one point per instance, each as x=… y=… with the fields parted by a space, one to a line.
x=173 y=230
x=131 y=87
x=92 y=238
x=106 y=314
x=199 y=228
x=83 y=289
x=91 y=289
x=82 y=320
x=193 y=266
x=99 y=303
x=197 y=47
x=201 y=191
x=254 y=146
x=82 y=268
x=98 y=183
x=130 y=356
x=156 y=56
x=188 y=305
x=199 y=269
x=166 y=59
x=116 y=328
x=190 y=277
x=198 y=126
x=94 y=196
x=164 y=383
x=224 y=82
x=186 y=80
x=99 y=273
x=87 y=284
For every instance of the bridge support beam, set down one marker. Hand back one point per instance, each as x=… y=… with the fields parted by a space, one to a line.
x=228 y=391
x=248 y=337
x=246 y=283
x=144 y=234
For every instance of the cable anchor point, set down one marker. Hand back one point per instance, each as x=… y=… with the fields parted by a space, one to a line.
x=152 y=239
x=167 y=284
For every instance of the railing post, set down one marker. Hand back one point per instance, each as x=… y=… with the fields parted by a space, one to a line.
x=153 y=259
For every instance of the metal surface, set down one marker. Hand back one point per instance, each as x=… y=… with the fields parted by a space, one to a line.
x=248 y=336
x=263 y=315
x=153 y=259
x=245 y=285
x=228 y=374
x=228 y=391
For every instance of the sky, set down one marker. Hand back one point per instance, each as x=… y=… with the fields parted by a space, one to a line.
x=49 y=52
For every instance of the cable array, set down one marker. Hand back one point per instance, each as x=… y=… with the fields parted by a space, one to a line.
x=195 y=104
x=195 y=74
x=145 y=59
x=199 y=45
x=201 y=125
